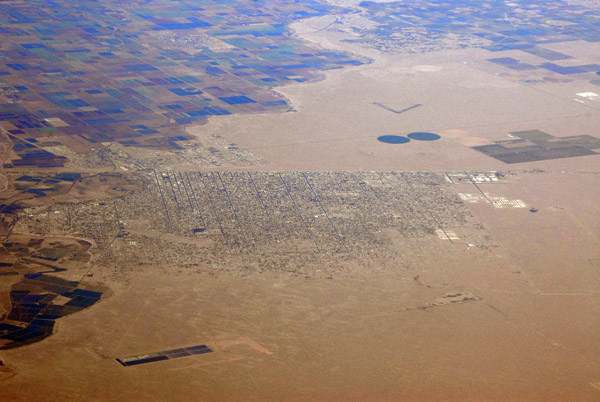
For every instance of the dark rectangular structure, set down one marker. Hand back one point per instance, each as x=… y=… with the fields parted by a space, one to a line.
x=164 y=355
x=535 y=145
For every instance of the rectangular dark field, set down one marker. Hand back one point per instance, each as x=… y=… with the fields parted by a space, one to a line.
x=164 y=355
x=142 y=361
x=539 y=155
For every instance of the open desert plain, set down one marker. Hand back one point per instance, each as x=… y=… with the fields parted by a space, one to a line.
x=314 y=200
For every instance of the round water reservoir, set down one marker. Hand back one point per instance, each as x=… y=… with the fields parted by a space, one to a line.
x=424 y=136
x=393 y=139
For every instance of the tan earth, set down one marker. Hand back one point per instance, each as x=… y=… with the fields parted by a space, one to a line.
x=473 y=141
x=509 y=310
x=454 y=133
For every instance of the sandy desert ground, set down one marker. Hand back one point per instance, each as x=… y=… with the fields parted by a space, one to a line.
x=504 y=308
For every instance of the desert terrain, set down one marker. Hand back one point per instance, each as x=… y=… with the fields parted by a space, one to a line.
x=313 y=201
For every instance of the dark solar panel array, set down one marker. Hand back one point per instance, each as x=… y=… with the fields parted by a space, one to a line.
x=535 y=145
x=164 y=355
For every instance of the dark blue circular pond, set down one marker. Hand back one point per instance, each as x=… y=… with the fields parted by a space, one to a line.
x=424 y=136
x=393 y=139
